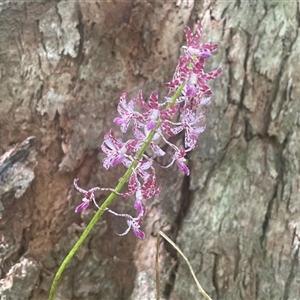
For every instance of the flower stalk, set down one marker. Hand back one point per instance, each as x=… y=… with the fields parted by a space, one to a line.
x=189 y=93
x=106 y=203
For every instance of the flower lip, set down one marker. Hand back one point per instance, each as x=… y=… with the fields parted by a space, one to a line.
x=133 y=223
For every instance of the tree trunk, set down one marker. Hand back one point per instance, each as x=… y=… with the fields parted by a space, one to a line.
x=64 y=66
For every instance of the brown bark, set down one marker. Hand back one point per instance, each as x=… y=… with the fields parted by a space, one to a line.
x=64 y=66
x=243 y=209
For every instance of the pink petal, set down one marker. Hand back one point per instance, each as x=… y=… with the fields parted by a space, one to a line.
x=138 y=134
x=139 y=233
x=183 y=168
x=151 y=125
x=157 y=150
x=139 y=207
x=117 y=160
x=118 y=121
x=83 y=206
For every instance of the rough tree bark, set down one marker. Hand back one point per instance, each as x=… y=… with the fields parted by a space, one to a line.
x=63 y=67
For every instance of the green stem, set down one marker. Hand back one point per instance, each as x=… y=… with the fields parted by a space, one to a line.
x=108 y=201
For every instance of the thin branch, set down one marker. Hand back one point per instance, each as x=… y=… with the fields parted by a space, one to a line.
x=157 y=268
x=201 y=290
